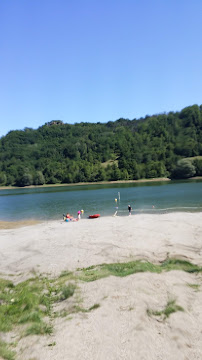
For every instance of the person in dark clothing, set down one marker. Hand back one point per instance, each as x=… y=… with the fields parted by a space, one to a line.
x=129 y=209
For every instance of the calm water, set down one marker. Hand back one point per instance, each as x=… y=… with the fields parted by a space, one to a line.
x=52 y=202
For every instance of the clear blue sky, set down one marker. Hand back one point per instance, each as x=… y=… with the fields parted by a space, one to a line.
x=97 y=60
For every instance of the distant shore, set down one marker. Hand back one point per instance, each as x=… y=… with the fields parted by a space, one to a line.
x=98 y=183
x=91 y=183
x=86 y=183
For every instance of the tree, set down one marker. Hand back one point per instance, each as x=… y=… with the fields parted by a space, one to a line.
x=3 y=178
x=25 y=180
x=39 y=178
x=183 y=170
x=198 y=166
x=148 y=147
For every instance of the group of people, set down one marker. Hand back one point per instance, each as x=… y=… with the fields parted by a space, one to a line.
x=69 y=217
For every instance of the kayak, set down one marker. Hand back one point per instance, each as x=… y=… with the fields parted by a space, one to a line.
x=94 y=216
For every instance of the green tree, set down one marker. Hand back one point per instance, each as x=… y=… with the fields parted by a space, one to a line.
x=198 y=166
x=3 y=178
x=38 y=178
x=25 y=180
x=183 y=170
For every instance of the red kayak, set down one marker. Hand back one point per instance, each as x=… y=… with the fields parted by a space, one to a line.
x=94 y=216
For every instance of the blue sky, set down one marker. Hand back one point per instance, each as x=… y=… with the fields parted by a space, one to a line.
x=96 y=61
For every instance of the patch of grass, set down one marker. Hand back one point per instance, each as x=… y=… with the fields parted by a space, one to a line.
x=61 y=314
x=5 y=352
x=33 y=316
x=66 y=273
x=176 y=264
x=93 y=273
x=95 y=306
x=52 y=344
x=5 y=284
x=21 y=303
x=39 y=329
x=67 y=291
x=28 y=302
x=132 y=267
x=78 y=308
x=170 y=308
x=194 y=286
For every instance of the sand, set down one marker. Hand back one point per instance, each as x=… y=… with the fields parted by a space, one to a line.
x=120 y=328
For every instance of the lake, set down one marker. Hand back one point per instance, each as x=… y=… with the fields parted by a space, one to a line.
x=52 y=202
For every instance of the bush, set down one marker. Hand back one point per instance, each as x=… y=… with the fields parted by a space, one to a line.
x=198 y=166
x=25 y=180
x=183 y=170
x=3 y=178
x=39 y=178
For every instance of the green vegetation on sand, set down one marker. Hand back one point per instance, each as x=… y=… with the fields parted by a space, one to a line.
x=93 y=273
x=171 y=307
x=30 y=305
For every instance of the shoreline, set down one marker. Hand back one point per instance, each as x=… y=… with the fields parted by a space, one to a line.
x=4 y=225
x=18 y=224
x=99 y=183
x=87 y=183
x=119 y=232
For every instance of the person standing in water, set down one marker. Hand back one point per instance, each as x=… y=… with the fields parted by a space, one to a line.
x=129 y=209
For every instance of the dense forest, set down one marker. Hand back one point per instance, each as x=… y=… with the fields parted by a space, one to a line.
x=163 y=145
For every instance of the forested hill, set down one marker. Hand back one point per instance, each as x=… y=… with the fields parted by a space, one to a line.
x=124 y=149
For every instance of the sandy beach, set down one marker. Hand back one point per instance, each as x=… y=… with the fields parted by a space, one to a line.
x=120 y=328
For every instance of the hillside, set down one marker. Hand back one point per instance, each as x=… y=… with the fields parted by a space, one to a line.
x=121 y=150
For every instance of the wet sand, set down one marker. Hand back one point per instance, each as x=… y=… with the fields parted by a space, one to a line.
x=17 y=224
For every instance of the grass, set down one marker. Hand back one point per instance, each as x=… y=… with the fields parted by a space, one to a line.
x=22 y=303
x=95 y=306
x=93 y=273
x=66 y=273
x=52 y=344
x=39 y=329
x=196 y=287
x=67 y=291
x=31 y=301
x=176 y=264
x=5 y=352
x=171 y=307
x=80 y=309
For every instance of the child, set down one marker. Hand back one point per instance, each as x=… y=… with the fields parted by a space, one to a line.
x=79 y=215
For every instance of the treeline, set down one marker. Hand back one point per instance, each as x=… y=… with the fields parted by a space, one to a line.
x=151 y=147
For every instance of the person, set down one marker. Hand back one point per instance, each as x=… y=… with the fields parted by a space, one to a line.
x=69 y=217
x=79 y=215
x=129 y=209
x=116 y=211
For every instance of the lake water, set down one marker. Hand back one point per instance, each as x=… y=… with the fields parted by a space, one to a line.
x=149 y=197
